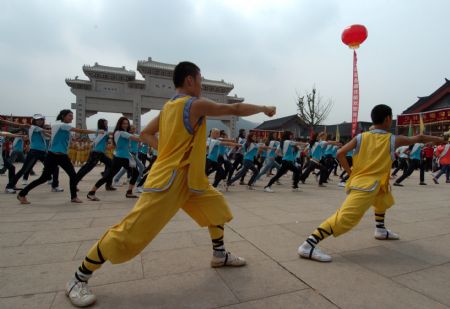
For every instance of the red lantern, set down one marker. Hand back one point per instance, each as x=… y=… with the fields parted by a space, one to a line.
x=354 y=35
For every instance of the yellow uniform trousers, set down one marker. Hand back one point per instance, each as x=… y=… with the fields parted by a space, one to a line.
x=151 y=213
x=354 y=207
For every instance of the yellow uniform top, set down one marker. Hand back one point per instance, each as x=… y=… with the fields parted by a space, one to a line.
x=179 y=145
x=372 y=161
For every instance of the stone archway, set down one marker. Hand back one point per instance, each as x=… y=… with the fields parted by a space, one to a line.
x=116 y=90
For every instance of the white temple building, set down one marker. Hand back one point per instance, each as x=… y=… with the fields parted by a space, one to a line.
x=116 y=90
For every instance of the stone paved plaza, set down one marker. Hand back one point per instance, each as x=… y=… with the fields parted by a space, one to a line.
x=42 y=244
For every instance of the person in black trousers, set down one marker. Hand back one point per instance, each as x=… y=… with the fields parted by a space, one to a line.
x=288 y=149
x=415 y=162
x=98 y=154
x=238 y=156
x=121 y=158
x=57 y=156
x=6 y=164
x=38 y=135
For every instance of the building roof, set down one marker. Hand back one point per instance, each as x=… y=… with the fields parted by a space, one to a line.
x=79 y=83
x=142 y=64
x=151 y=67
x=279 y=122
x=235 y=99
x=107 y=72
x=425 y=103
x=217 y=83
x=345 y=128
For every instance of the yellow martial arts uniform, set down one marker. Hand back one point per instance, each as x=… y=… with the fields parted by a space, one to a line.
x=368 y=184
x=177 y=180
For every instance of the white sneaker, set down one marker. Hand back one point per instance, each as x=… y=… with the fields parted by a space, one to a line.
x=341 y=184
x=250 y=188
x=79 y=293
x=296 y=190
x=268 y=189
x=306 y=251
x=139 y=189
x=228 y=260
x=385 y=234
x=10 y=191
x=24 y=182
x=117 y=184
x=57 y=189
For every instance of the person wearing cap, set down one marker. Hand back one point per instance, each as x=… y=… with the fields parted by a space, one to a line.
x=38 y=152
x=57 y=156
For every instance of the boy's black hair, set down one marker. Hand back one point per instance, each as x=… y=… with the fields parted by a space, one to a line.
x=101 y=124
x=62 y=114
x=119 y=127
x=241 y=133
x=380 y=113
x=183 y=70
x=284 y=137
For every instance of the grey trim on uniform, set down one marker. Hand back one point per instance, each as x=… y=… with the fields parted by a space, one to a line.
x=164 y=188
x=358 y=143
x=371 y=189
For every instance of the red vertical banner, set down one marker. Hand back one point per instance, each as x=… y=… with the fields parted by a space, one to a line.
x=355 y=95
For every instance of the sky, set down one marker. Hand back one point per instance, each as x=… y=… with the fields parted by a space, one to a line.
x=270 y=50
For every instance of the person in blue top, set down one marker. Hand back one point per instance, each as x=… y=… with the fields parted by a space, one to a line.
x=402 y=155
x=212 y=159
x=152 y=159
x=37 y=135
x=121 y=158
x=98 y=153
x=143 y=153
x=415 y=161
x=238 y=155
x=134 y=149
x=330 y=158
x=224 y=159
x=251 y=149
x=5 y=163
x=271 y=154
x=57 y=156
x=17 y=154
x=287 y=149
x=318 y=143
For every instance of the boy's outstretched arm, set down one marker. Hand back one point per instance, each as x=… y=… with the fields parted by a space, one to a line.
x=401 y=140
x=204 y=107
x=342 y=153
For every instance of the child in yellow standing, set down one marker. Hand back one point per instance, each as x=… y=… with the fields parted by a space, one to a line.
x=368 y=185
x=177 y=180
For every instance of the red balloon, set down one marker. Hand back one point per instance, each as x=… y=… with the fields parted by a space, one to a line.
x=354 y=35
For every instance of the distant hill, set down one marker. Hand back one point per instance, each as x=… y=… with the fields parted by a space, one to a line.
x=241 y=124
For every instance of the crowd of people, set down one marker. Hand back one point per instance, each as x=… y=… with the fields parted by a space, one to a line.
x=180 y=161
x=228 y=160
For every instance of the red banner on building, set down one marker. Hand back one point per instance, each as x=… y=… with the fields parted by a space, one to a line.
x=263 y=134
x=355 y=96
x=437 y=116
x=19 y=119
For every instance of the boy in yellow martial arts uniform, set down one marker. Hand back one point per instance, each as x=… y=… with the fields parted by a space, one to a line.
x=368 y=185
x=176 y=180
